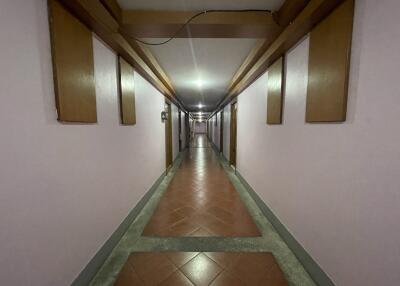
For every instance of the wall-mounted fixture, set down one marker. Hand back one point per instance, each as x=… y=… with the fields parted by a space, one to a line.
x=164 y=116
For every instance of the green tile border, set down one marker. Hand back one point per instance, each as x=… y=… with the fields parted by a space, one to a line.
x=133 y=241
x=311 y=266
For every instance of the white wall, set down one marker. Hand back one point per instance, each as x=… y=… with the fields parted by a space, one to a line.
x=227 y=130
x=175 y=131
x=216 y=129
x=336 y=186
x=64 y=187
x=200 y=127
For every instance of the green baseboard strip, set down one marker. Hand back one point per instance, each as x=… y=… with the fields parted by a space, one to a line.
x=312 y=267
x=100 y=257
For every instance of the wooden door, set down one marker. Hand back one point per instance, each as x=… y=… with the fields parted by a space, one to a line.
x=221 y=132
x=180 y=130
x=232 y=153
x=187 y=130
x=168 y=136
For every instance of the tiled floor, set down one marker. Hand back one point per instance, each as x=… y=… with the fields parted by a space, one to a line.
x=200 y=226
x=201 y=268
x=201 y=200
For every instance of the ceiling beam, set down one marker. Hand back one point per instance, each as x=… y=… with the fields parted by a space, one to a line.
x=113 y=8
x=151 y=61
x=164 y=24
x=99 y=19
x=289 y=10
x=284 y=16
x=266 y=53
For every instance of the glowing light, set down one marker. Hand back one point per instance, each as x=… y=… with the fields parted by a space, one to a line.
x=200 y=105
x=199 y=83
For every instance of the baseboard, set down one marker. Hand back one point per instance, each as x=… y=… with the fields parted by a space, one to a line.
x=100 y=257
x=215 y=147
x=312 y=267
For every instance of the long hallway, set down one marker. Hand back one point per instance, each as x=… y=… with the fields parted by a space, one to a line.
x=200 y=200
x=199 y=142
x=201 y=228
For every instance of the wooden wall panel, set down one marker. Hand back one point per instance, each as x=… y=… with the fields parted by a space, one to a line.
x=127 y=92
x=73 y=66
x=329 y=61
x=275 y=92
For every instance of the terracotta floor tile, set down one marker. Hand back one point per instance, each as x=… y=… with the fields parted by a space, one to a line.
x=274 y=276
x=180 y=258
x=182 y=228
x=227 y=279
x=128 y=277
x=152 y=269
x=177 y=279
x=201 y=270
x=252 y=268
x=193 y=268
x=219 y=228
x=223 y=259
x=186 y=211
x=200 y=195
x=222 y=214
x=200 y=232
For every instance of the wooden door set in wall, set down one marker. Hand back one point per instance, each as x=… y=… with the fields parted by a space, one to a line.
x=168 y=133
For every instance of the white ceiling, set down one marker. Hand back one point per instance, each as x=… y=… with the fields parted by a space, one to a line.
x=212 y=61
x=208 y=62
x=195 y=5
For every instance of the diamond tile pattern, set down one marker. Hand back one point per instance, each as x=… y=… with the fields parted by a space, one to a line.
x=201 y=200
x=191 y=268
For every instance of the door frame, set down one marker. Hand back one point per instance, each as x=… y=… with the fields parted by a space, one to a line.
x=187 y=130
x=233 y=135
x=180 y=130
x=221 y=132
x=168 y=136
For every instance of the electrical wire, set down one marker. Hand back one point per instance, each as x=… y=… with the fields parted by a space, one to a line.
x=194 y=17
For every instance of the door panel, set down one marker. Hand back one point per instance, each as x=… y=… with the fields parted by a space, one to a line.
x=180 y=130
x=168 y=136
x=221 y=133
x=232 y=157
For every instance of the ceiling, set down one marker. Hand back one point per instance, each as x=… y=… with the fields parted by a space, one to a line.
x=201 y=69
x=196 y=5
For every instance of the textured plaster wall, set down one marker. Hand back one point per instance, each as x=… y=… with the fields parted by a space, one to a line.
x=336 y=186
x=64 y=187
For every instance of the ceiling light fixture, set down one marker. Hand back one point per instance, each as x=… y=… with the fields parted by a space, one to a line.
x=200 y=105
x=199 y=83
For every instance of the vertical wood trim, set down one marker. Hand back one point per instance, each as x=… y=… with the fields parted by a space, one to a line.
x=127 y=92
x=168 y=137
x=275 y=92
x=233 y=135
x=329 y=65
x=73 y=66
x=180 y=129
x=221 y=133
